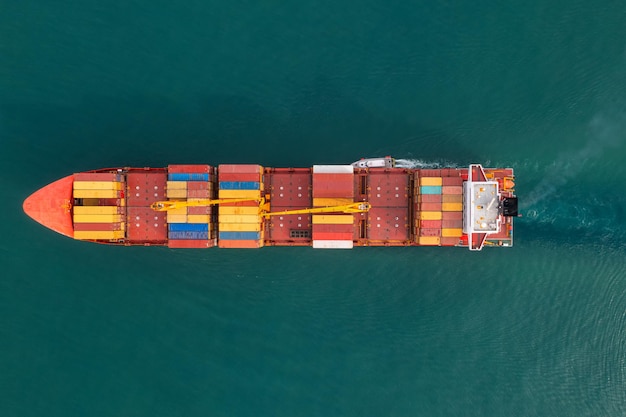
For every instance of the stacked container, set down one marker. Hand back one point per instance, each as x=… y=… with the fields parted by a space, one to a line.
x=192 y=226
x=240 y=225
x=333 y=185
x=439 y=211
x=100 y=214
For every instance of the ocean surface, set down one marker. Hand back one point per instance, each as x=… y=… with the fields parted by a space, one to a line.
x=536 y=330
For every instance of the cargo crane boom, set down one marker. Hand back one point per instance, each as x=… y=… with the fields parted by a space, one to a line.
x=201 y=202
x=360 y=207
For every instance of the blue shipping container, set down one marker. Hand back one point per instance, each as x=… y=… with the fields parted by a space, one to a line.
x=187 y=235
x=430 y=189
x=240 y=235
x=239 y=185
x=188 y=227
x=187 y=177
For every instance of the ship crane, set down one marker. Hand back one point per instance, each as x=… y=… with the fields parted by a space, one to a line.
x=358 y=207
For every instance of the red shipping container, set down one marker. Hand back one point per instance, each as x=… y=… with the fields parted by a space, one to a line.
x=332 y=228
x=430 y=206
x=452 y=224
x=449 y=241
x=333 y=185
x=430 y=198
x=452 y=198
x=331 y=236
x=239 y=168
x=430 y=232
x=197 y=185
x=189 y=169
x=191 y=243
x=239 y=177
x=96 y=176
x=457 y=180
x=241 y=204
x=452 y=189
x=430 y=173
x=452 y=215
x=199 y=210
x=430 y=224
x=239 y=244
x=84 y=227
x=198 y=193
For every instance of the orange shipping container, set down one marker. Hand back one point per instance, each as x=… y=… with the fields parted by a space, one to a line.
x=429 y=240
x=452 y=206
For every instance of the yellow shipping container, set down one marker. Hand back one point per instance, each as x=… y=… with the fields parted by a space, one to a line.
x=238 y=210
x=429 y=240
x=239 y=227
x=176 y=193
x=176 y=218
x=239 y=218
x=99 y=234
x=177 y=185
x=451 y=232
x=97 y=185
x=329 y=202
x=430 y=215
x=333 y=219
x=198 y=218
x=431 y=181
x=180 y=210
x=95 y=209
x=452 y=206
x=97 y=218
x=251 y=194
x=96 y=193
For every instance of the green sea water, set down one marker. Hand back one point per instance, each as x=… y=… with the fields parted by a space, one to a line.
x=535 y=330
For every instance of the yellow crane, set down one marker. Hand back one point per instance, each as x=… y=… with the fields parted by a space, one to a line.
x=358 y=207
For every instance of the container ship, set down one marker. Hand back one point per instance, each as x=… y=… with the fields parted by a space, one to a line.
x=371 y=202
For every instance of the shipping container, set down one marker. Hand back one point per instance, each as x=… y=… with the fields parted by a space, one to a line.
x=97 y=194
x=236 y=194
x=199 y=185
x=333 y=169
x=240 y=168
x=99 y=234
x=333 y=244
x=98 y=218
x=452 y=189
x=430 y=224
x=176 y=235
x=239 y=176
x=331 y=202
x=198 y=193
x=430 y=215
x=250 y=203
x=452 y=181
x=175 y=218
x=430 y=189
x=451 y=232
x=240 y=244
x=239 y=235
x=97 y=185
x=97 y=176
x=452 y=215
x=81 y=227
x=452 y=198
x=198 y=218
x=339 y=228
x=239 y=218
x=189 y=169
x=98 y=210
x=240 y=227
x=449 y=241
x=200 y=210
x=452 y=206
x=429 y=198
x=430 y=232
x=189 y=243
x=239 y=185
x=178 y=185
x=332 y=236
x=431 y=181
x=187 y=177
x=429 y=240
x=188 y=227
x=452 y=224
x=333 y=219
x=223 y=210
x=176 y=193
x=430 y=206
